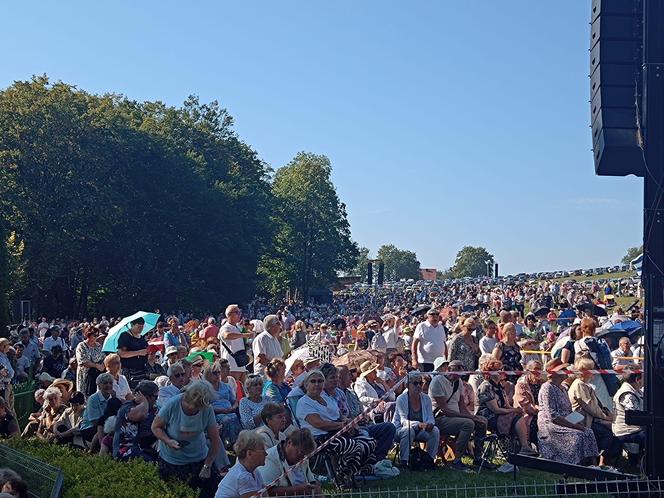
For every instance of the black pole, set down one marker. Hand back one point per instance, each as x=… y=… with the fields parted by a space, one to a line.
x=653 y=227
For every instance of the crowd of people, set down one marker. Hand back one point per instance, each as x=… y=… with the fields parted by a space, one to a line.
x=229 y=403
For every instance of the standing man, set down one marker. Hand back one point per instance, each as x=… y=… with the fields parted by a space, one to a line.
x=267 y=344
x=429 y=342
x=54 y=340
x=133 y=351
x=231 y=339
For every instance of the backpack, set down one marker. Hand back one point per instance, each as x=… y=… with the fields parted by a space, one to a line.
x=420 y=460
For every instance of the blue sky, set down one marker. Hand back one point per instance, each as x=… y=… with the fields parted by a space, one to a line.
x=448 y=123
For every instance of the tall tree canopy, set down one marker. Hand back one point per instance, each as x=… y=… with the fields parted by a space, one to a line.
x=471 y=262
x=4 y=283
x=360 y=269
x=399 y=263
x=632 y=253
x=312 y=243
x=113 y=204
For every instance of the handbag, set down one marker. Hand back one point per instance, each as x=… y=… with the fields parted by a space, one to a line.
x=241 y=357
x=420 y=460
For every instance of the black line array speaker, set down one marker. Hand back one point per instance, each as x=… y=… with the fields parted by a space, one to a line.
x=616 y=58
x=381 y=273
x=370 y=273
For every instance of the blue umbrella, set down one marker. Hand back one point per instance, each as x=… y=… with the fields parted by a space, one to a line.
x=111 y=341
x=629 y=326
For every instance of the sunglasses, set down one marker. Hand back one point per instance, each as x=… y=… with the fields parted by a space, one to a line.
x=178 y=375
x=316 y=381
x=417 y=383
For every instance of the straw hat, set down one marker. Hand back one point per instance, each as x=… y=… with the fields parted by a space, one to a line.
x=367 y=367
x=69 y=385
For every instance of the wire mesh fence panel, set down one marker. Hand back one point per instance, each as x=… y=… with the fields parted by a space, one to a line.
x=45 y=481
x=635 y=488
x=23 y=406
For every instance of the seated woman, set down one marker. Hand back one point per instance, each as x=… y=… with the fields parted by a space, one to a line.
x=299 y=480
x=526 y=392
x=599 y=418
x=413 y=418
x=243 y=480
x=560 y=439
x=113 y=365
x=67 y=428
x=493 y=404
x=224 y=404
x=629 y=397
x=273 y=417
x=66 y=388
x=8 y=423
x=53 y=409
x=133 y=436
x=383 y=433
x=276 y=389
x=253 y=403
x=370 y=389
x=319 y=413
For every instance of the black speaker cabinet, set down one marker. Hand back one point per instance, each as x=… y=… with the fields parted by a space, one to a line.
x=616 y=55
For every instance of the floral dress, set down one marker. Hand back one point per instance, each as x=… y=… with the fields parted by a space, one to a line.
x=460 y=350
x=84 y=354
x=556 y=442
x=511 y=359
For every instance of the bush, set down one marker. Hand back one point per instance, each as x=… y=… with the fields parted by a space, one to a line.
x=101 y=476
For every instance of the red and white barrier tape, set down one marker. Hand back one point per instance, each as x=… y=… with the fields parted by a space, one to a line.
x=521 y=372
x=351 y=424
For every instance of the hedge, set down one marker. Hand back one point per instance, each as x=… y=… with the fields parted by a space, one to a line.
x=100 y=476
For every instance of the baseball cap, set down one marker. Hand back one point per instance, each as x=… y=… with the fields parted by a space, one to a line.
x=439 y=362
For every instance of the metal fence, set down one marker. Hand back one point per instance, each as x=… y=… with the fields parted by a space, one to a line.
x=636 y=488
x=44 y=480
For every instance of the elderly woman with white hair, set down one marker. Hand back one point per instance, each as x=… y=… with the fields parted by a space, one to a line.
x=267 y=345
x=253 y=403
x=183 y=426
x=53 y=410
x=243 y=479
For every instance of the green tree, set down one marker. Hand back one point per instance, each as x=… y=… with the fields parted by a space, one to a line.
x=632 y=253
x=113 y=204
x=471 y=262
x=4 y=284
x=312 y=243
x=360 y=269
x=399 y=263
